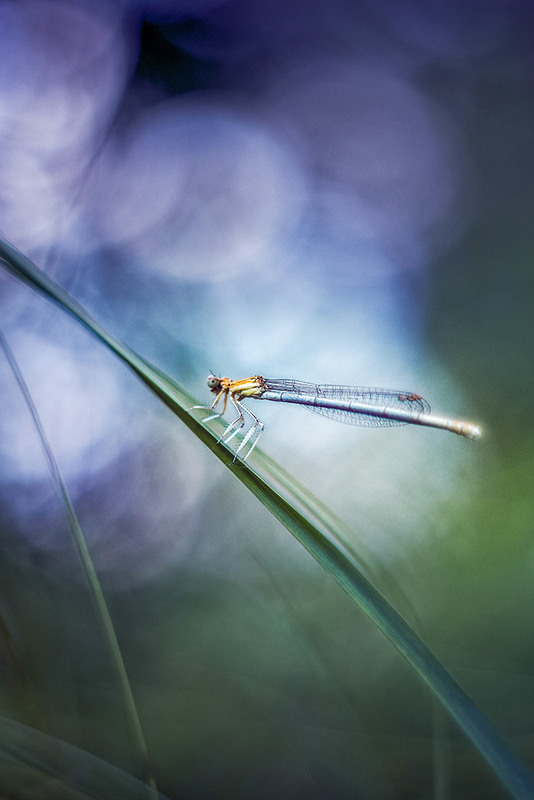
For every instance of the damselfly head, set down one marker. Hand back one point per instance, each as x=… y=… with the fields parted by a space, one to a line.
x=213 y=382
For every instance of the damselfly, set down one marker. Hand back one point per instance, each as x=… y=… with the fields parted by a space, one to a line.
x=351 y=404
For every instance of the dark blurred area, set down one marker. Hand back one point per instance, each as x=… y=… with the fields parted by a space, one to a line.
x=340 y=193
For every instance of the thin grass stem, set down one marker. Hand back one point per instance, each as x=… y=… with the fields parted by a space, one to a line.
x=86 y=561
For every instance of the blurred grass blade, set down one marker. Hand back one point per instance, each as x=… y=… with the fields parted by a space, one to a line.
x=89 y=571
x=36 y=765
x=314 y=528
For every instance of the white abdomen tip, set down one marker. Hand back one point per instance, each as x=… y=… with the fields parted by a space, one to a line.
x=472 y=431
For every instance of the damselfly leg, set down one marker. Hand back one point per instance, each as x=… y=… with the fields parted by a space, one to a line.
x=252 y=435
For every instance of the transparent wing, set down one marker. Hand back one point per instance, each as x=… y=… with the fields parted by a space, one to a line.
x=389 y=398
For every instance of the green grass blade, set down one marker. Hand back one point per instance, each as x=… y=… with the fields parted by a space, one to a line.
x=89 y=571
x=35 y=764
x=314 y=529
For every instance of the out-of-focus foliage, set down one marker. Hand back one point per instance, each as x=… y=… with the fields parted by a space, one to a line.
x=339 y=193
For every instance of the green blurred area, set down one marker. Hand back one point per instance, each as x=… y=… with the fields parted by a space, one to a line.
x=261 y=677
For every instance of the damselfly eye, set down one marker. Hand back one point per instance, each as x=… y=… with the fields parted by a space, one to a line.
x=213 y=382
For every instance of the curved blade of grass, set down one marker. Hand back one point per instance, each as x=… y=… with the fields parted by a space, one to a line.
x=35 y=764
x=322 y=545
x=88 y=568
